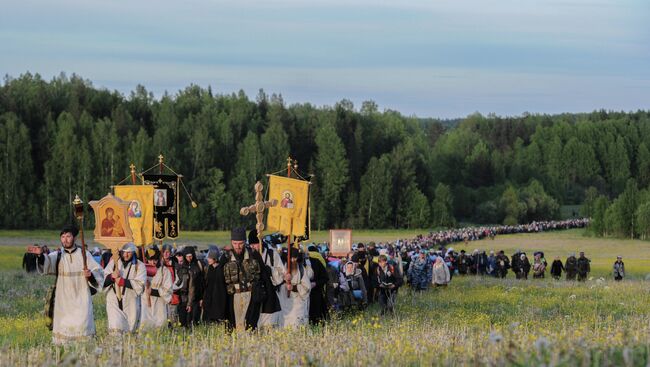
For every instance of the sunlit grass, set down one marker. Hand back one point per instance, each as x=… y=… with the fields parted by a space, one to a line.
x=475 y=320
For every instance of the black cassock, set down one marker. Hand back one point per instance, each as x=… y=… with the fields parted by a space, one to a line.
x=272 y=303
x=317 y=300
x=214 y=297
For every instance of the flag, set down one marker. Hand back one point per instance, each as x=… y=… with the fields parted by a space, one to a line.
x=165 y=205
x=293 y=206
x=140 y=212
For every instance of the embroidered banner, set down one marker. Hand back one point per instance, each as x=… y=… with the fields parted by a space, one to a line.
x=165 y=205
x=293 y=206
x=141 y=213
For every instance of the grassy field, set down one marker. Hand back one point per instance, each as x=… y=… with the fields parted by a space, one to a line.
x=475 y=321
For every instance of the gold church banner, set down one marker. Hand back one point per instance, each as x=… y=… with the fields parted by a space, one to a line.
x=293 y=203
x=140 y=213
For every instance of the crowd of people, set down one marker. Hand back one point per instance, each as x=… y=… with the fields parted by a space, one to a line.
x=248 y=285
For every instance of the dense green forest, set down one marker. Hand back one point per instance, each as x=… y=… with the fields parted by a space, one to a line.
x=372 y=168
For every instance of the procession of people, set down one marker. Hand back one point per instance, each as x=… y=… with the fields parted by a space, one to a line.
x=250 y=284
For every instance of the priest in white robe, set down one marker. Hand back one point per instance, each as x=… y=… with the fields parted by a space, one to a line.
x=128 y=278
x=157 y=292
x=294 y=293
x=73 y=318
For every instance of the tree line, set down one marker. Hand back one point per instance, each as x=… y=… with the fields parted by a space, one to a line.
x=371 y=168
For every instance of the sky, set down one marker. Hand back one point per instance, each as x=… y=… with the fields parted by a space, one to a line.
x=425 y=58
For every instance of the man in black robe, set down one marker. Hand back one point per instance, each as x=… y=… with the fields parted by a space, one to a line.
x=317 y=300
x=271 y=275
x=245 y=293
x=214 y=296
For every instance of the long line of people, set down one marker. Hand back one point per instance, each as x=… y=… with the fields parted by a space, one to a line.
x=252 y=285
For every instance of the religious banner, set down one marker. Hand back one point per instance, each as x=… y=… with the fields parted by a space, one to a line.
x=340 y=241
x=165 y=205
x=290 y=216
x=111 y=225
x=140 y=213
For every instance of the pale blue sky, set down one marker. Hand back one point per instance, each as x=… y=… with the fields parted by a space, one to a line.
x=430 y=58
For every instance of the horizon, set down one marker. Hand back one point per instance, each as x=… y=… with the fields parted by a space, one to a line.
x=444 y=60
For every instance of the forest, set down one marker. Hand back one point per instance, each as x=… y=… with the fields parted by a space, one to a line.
x=370 y=168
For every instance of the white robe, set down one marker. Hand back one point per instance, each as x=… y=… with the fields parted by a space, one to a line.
x=126 y=319
x=440 y=274
x=73 y=304
x=155 y=315
x=295 y=308
x=277 y=276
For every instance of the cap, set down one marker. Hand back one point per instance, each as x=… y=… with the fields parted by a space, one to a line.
x=252 y=237
x=129 y=247
x=238 y=234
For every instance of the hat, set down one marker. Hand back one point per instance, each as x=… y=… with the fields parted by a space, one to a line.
x=238 y=234
x=252 y=237
x=70 y=228
x=153 y=253
x=129 y=247
x=214 y=253
x=167 y=247
x=188 y=250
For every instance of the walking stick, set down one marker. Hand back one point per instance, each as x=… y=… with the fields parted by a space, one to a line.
x=79 y=214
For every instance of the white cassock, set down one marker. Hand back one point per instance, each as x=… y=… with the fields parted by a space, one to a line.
x=73 y=304
x=277 y=275
x=126 y=318
x=295 y=308
x=154 y=308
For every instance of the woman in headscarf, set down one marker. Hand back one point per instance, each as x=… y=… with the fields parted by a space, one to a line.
x=440 y=273
x=157 y=292
x=353 y=290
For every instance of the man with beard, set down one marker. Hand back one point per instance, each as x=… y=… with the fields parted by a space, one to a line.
x=128 y=278
x=242 y=268
x=72 y=304
x=503 y=264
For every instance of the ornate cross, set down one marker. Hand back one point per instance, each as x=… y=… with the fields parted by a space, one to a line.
x=258 y=208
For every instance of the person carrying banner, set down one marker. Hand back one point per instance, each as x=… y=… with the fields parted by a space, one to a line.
x=128 y=278
x=157 y=292
x=70 y=304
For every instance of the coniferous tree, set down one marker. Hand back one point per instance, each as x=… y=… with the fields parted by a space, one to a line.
x=331 y=175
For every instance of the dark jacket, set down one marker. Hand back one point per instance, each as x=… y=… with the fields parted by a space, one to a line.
x=214 y=300
x=557 y=268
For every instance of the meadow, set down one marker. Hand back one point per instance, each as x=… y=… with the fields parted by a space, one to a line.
x=474 y=321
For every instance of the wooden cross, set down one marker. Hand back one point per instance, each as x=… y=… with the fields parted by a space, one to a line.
x=258 y=208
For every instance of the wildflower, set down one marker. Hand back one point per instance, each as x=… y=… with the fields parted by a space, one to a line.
x=495 y=337
x=541 y=344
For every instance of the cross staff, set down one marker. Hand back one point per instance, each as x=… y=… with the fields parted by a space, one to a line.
x=258 y=208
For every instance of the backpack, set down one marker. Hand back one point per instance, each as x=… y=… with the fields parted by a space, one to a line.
x=49 y=302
